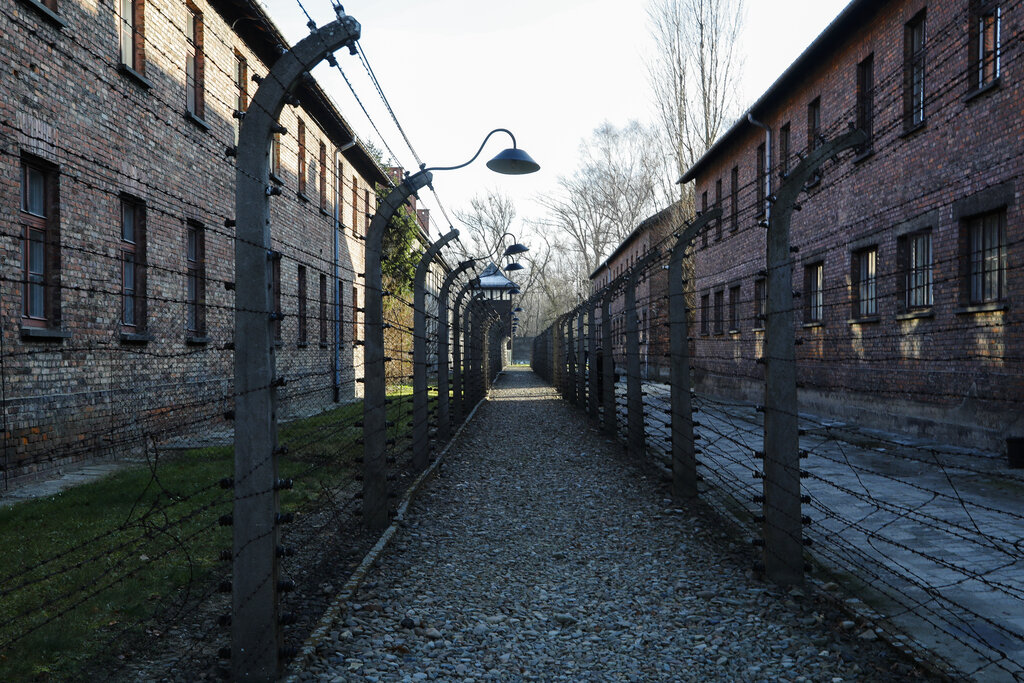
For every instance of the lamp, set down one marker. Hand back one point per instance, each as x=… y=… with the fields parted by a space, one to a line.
x=513 y=266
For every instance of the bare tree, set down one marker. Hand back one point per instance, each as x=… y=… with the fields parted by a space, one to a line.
x=694 y=76
x=615 y=187
x=487 y=219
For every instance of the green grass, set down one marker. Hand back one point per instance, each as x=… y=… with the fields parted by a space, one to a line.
x=82 y=569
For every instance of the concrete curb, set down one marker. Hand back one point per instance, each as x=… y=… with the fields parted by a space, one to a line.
x=334 y=610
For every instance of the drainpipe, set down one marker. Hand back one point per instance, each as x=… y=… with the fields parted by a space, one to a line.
x=767 y=164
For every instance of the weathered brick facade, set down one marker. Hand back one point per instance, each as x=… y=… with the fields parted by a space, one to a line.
x=651 y=293
x=913 y=319
x=80 y=382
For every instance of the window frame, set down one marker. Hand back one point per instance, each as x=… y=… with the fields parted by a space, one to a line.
x=915 y=43
x=983 y=259
x=195 y=279
x=760 y=302
x=241 y=78
x=705 y=313
x=322 y=170
x=734 y=199
x=131 y=35
x=132 y=259
x=785 y=135
x=302 y=306
x=864 y=282
x=300 y=166
x=47 y=227
x=814 y=293
x=719 y=311
x=195 y=92
x=734 y=309
x=979 y=56
x=761 y=175
x=915 y=286
x=324 y=337
x=866 y=101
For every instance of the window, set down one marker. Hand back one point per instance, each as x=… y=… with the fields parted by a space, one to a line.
x=866 y=99
x=355 y=312
x=705 y=314
x=302 y=305
x=986 y=251
x=913 y=71
x=275 y=285
x=194 y=61
x=761 y=180
x=864 y=278
x=301 y=165
x=323 y=309
x=275 y=156
x=133 y=264
x=813 y=124
x=366 y=211
x=704 y=209
x=784 y=150
x=355 y=205
x=760 y=302
x=195 y=279
x=40 y=245
x=718 y=205
x=814 y=131
x=814 y=293
x=241 y=77
x=132 y=35
x=734 y=309
x=915 y=257
x=322 y=169
x=734 y=198
x=720 y=311
x=985 y=43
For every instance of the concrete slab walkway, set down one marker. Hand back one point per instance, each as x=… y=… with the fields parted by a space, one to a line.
x=541 y=553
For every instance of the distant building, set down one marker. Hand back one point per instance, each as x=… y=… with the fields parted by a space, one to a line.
x=907 y=251
x=117 y=206
x=651 y=304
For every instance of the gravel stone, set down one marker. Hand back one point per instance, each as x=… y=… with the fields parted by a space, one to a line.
x=542 y=553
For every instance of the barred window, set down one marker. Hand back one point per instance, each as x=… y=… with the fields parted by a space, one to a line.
x=986 y=244
x=864 y=278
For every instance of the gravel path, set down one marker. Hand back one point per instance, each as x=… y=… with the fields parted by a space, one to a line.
x=541 y=554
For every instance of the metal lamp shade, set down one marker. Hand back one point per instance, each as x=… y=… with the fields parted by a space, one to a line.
x=513 y=161
x=513 y=266
x=516 y=249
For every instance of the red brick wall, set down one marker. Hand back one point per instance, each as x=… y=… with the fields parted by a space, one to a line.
x=953 y=363
x=66 y=101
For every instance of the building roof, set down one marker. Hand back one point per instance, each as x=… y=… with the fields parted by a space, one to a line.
x=254 y=26
x=491 y=278
x=856 y=15
x=645 y=225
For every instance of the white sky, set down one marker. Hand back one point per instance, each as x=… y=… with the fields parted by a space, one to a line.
x=549 y=70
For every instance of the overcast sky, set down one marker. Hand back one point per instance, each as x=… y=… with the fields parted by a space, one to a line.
x=549 y=70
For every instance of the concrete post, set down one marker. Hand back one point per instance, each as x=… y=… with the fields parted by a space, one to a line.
x=684 y=454
x=609 y=418
x=569 y=393
x=375 y=483
x=592 y=397
x=581 y=358
x=782 y=528
x=636 y=433
x=458 y=370
x=255 y=629
x=444 y=431
x=420 y=396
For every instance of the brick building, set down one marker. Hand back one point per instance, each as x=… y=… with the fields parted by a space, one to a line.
x=116 y=205
x=907 y=250
x=652 y=288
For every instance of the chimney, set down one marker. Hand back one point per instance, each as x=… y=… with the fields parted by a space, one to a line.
x=424 y=216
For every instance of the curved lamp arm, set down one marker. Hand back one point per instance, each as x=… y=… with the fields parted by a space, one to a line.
x=482 y=144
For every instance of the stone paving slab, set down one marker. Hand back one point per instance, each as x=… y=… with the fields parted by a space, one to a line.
x=540 y=553
x=936 y=530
